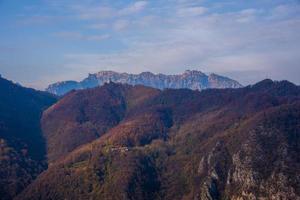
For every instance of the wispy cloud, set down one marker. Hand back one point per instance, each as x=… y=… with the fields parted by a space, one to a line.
x=98 y=26
x=38 y=20
x=248 y=15
x=191 y=11
x=134 y=8
x=89 y=12
x=79 y=36
x=121 y=24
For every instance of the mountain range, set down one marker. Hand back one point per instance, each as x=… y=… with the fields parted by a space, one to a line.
x=191 y=79
x=133 y=142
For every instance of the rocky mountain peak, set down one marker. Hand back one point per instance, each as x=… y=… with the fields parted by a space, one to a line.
x=147 y=74
x=194 y=73
x=191 y=79
x=106 y=73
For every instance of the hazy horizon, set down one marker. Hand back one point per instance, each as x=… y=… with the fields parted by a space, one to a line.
x=42 y=42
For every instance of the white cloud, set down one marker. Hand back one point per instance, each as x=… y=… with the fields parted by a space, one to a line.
x=79 y=36
x=284 y=10
x=134 y=8
x=96 y=37
x=96 y=12
x=93 y=12
x=121 y=24
x=191 y=11
x=39 y=20
x=98 y=26
x=247 y=15
x=68 y=35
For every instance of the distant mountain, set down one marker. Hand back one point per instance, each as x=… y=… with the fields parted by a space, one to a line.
x=195 y=80
x=22 y=146
x=134 y=142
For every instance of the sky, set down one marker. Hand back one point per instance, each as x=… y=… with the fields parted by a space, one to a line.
x=45 y=41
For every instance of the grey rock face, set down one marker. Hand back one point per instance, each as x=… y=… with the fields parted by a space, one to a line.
x=194 y=80
x=254 y=172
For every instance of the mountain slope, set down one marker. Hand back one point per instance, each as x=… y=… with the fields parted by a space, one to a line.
x=195 y=80
x=183 y=144
x=82 y=116
x=22 y=147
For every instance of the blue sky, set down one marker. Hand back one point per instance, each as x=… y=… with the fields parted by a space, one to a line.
x=44 y=41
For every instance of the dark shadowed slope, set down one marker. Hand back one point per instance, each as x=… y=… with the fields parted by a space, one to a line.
x=22 y=147
x=183 y=144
